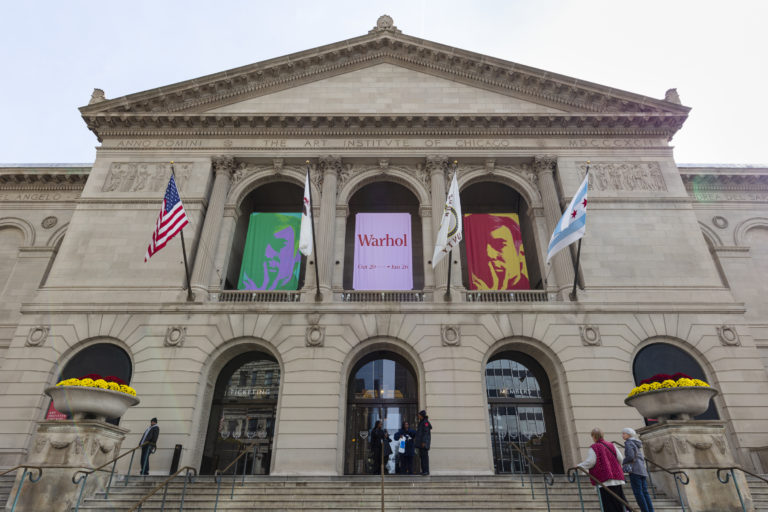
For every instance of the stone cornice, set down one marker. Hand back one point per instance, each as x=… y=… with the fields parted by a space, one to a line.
x=42 y=178
x=725 y=182
x=106 y=125
x=191 y=98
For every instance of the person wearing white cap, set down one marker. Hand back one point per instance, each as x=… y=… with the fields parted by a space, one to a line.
x=634 y=464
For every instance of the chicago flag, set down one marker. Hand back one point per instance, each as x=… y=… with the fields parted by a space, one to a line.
x=572 y=224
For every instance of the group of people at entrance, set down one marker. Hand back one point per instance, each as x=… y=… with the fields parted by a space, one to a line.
x=607 y=465
x=409 y=441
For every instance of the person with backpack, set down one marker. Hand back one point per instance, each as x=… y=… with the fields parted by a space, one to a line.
x=634 y=464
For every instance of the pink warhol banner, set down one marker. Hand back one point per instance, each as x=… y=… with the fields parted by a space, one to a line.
x=383 y=252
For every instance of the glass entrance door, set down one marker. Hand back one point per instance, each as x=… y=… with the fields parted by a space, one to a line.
x=382 y=387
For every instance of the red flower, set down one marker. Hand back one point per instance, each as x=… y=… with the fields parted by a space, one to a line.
x=94 y=376
x=112 y=378
x=659 y=377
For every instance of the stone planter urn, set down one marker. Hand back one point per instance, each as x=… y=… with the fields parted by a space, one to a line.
x=672 y=403
x=90 y=403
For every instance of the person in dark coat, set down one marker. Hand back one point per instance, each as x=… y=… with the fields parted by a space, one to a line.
x=379 y=439
x=423 y=440
x=406 y=458
x=150 y=437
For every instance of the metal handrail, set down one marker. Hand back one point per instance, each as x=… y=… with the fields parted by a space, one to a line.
x=575 y=478
x=164 y=484
x=217 y=476
x=549 y=478
x=85 y=473
x=731 y=475
x=680 y=477
x=24 y=475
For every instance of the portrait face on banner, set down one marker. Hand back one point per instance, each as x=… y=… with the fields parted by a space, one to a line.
x=383 y=252
x=495 y=253
x=271 y=258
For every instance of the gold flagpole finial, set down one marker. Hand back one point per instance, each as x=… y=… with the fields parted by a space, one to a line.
x=588 y=162
x=171 y=162
x=307 y=162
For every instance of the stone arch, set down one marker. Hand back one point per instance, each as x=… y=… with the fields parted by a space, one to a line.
x=21 y=224
x=69 y=353
x=740 y=233
x=712 y=238
x=558 y=382
x=398 y=175
x=516 y=181
x=57 y=236
x=209 y=373
x=362 y=349
x=294 y=176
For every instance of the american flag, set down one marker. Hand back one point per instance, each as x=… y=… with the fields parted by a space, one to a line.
x=171 y=220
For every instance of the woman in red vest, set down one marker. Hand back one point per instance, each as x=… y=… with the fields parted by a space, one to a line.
x=604 y=463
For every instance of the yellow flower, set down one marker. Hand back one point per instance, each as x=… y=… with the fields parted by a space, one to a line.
x=114 y=386
x=101 y=383
x=685 y=383
x=669 y=383
x=699 y=382
x=653 y=386
x=87 y=382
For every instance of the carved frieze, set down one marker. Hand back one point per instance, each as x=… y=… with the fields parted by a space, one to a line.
x=625 y=176
x=144 y=177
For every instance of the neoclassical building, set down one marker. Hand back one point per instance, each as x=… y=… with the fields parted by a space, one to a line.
x=670 y=276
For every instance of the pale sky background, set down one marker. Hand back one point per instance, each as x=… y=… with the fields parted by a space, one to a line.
x=54 y=53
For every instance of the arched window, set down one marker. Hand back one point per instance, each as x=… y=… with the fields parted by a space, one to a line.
x=265 y=254
x=104 y=359
x=521 y=411
x=383 y=220
x=499 y=249
x=382 y=386
x=243 y=414
x=666 y=358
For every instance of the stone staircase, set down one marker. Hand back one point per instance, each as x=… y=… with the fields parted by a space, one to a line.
x=759 y=491
x=6 y=484
x=433 y=493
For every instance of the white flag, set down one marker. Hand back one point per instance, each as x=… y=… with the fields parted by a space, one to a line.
x=305 y=236
x=573 y=223
x=450 y=233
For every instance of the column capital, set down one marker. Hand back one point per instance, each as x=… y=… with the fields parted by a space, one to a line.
x=223 y=164
x=437 y=164
x=329 y=164
x=544 y=163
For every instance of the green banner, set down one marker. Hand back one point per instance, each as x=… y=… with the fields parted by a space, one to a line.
x=271 y=258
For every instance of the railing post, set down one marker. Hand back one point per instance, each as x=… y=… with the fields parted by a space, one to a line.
x=130 y=465
x=83 y=478
x=732 y=475
x=184 y=490
x=217 y=477
x=599 y=500
x=109 y=483
x=21 y=484
x=677 y=486
x=530 y=477
x=165 y=493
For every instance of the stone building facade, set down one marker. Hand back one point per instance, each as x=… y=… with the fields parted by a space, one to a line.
x=673 y=259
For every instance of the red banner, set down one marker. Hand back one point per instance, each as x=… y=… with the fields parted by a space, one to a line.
x=495 y=253
x=53 y=414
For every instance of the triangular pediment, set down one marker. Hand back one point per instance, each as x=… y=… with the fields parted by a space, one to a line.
x=386 y=80
x=384 y=89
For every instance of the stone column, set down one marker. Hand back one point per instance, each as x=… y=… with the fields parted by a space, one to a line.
x=437 y=167
x=428 y=249
x=67 y=446
x=224 y=248
x=562 y=263
x=695 y=446
x=326 y=179
x=342 y=212
x=223 y=166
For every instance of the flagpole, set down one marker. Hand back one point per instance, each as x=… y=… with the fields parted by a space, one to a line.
x=318 y=295
x=183 y=247
x=447 y=296
x=573 y=296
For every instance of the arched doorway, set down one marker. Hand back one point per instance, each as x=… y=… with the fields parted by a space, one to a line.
x=666 y=358
x=382 y=386
x=520 y=410
x=243 y=414
x=104 y=359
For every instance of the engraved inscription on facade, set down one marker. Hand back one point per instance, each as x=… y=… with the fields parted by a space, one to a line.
x=144 y=177
x=631 y=176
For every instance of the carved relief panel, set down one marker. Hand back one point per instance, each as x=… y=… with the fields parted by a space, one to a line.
x=144 y=177
x=625 y=176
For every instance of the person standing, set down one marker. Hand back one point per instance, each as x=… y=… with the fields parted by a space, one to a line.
x=423 y=440
x=634 y=464
x=379 y=443
x=150 y=437
x=406 y=457
x=604 y=464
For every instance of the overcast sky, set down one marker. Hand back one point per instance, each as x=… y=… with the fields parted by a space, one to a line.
x=54 y=53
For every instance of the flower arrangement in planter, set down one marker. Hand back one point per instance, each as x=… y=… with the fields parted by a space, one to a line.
x=93 y=397
x=665 y=381
x=94 y=380
x=671 y=397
